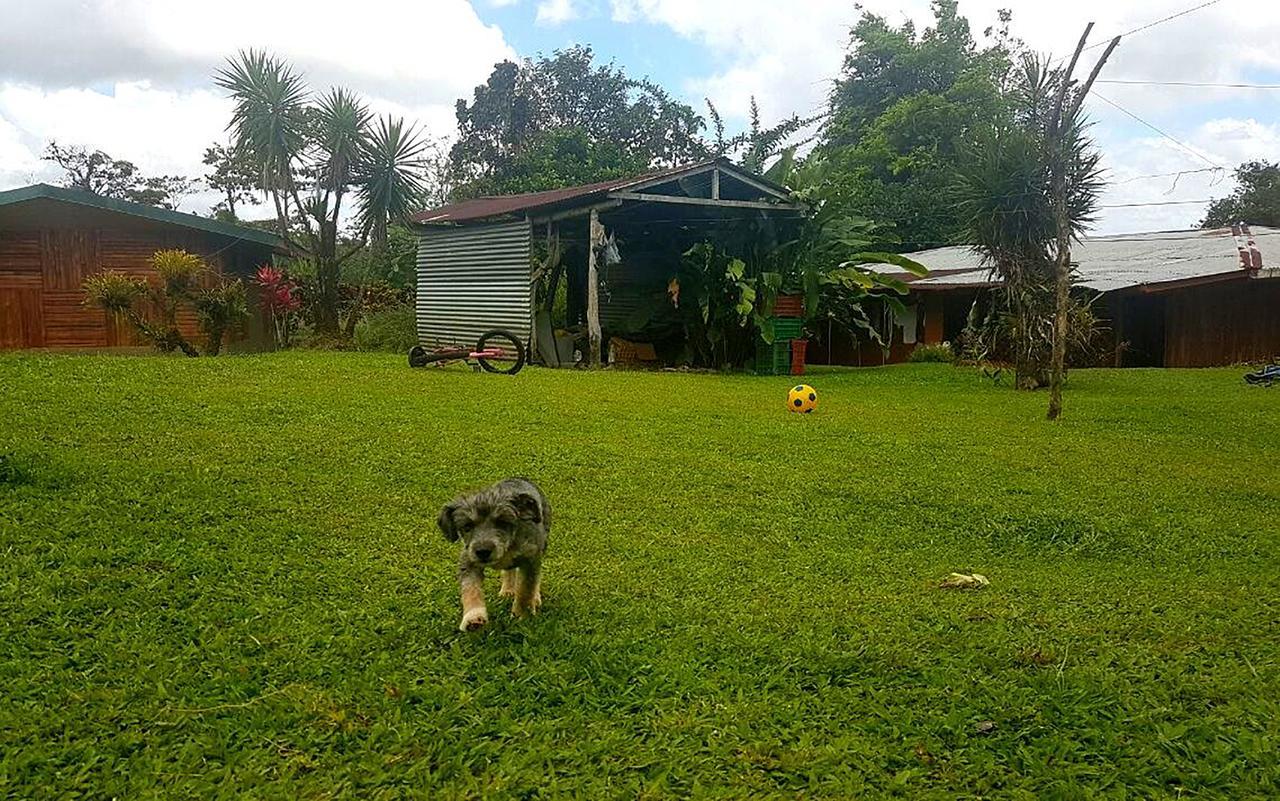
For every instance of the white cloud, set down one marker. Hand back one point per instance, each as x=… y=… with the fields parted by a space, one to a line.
x=1224 y=141
x=556 y=12
x=134 y=77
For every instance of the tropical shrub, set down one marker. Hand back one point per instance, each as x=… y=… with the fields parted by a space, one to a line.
x=389 y=330
x=218 y=308
x=939 y=352
x=279 y=298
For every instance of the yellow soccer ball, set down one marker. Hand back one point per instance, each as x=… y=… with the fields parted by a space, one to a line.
x=802 y=399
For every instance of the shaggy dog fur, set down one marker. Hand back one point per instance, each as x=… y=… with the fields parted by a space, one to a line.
x=503 y=527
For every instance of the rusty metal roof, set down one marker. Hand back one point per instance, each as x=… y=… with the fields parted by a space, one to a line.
x=495 y=206
x=1109 y=263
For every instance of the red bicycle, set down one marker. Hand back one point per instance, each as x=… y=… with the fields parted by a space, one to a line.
x=496 y=351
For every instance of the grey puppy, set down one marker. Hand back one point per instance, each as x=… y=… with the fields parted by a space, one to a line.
x=503 y=527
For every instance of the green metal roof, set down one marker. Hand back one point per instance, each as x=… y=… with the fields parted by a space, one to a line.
x=81 y=197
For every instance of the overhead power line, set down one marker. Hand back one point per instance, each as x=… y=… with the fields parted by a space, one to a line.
x=1180 y=144
x=1156 y=203
x=1175 y=174
x=1160 y=21
x=1197 y=84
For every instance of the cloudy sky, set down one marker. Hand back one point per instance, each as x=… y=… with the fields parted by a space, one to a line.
x=132 y=77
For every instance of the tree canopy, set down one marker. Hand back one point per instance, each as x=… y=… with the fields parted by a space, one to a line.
x=528 y=122
x=233 y=174
x=101 y=174
x=906 y=109
x=1256 y=200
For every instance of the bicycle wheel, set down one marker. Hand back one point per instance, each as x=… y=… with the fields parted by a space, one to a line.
x=418 y=356
x=513 y=356
x=421 y=357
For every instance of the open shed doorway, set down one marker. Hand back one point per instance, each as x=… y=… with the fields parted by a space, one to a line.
x=1143 y=330
x=639 y=296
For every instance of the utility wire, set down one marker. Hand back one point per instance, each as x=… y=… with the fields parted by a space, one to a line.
x=1156 y=203
x=1176 y=174
x=1185 y=147
x=1161 y=21
x=1193 y=83
x=1147 y=26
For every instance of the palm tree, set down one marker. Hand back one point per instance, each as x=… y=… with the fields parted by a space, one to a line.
x=391 y=176
x=311 y=154
x=1027 y=194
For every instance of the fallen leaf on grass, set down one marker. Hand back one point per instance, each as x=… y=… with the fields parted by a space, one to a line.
x=985 y=727
x=964 y=581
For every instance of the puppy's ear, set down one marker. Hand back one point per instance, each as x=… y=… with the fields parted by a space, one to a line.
x=445 y=521
x=528 y=506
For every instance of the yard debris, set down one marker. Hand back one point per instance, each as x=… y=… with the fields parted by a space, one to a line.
x=985 y=727
x=964 y=581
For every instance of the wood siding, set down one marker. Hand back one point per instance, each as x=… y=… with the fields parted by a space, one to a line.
x=42 y=272
x=1222 y=324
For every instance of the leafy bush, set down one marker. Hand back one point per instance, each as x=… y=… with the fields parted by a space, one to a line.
x=179 y=270
x=113 y=291
x=387 y=330
x=939 y=352
x=218 y=309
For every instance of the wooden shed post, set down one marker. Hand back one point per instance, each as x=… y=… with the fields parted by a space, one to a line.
x=595 y=241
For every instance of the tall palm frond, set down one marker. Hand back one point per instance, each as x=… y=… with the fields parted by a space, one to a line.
x=268 y=122
x=390 y=175
x=341 y=126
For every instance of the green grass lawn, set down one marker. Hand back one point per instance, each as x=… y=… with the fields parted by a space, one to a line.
x=222 y=577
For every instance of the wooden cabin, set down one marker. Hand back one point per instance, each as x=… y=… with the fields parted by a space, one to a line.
x=52 y=238
x=1201 y=298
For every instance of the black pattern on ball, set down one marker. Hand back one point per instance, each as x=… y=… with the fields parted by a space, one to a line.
x=799 y=403
x=812 y=396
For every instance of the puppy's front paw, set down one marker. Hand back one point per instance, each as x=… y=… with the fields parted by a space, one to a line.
x=473 y=619
x=508 y=584
x=529 y=607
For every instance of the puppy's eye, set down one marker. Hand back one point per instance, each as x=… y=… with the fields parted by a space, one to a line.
x=466 y=526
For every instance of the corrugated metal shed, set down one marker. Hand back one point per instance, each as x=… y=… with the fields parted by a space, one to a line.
x=1110 y=263
x=474 y=270
x=472 y=280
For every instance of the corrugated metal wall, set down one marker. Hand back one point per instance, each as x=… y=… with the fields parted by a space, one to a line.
x=473 y=279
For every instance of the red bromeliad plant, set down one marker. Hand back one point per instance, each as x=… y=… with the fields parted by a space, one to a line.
x=279 y=297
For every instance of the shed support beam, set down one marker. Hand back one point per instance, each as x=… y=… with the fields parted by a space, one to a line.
x=582 y=211
x=715 y=184
x=596 y=241
x=702 y=201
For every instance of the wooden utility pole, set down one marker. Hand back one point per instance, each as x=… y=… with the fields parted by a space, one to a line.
x=1058 y=152
x=595 y=242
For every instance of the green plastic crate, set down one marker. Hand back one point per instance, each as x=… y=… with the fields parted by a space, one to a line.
x=787 y=328
x=774 y=359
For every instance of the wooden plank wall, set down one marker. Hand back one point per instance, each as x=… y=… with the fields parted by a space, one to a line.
x=21 y=287
x=1226 y=324
x=41 y=274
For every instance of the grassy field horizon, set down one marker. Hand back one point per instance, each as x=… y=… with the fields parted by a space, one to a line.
x=222 y=578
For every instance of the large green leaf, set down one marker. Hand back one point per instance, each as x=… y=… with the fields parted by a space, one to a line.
x=896 y=259
x=765 y=326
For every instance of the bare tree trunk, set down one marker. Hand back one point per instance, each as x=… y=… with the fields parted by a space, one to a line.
x=595 y=241
x=327 y=290
x=1060 y=162
x=1061 y=321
